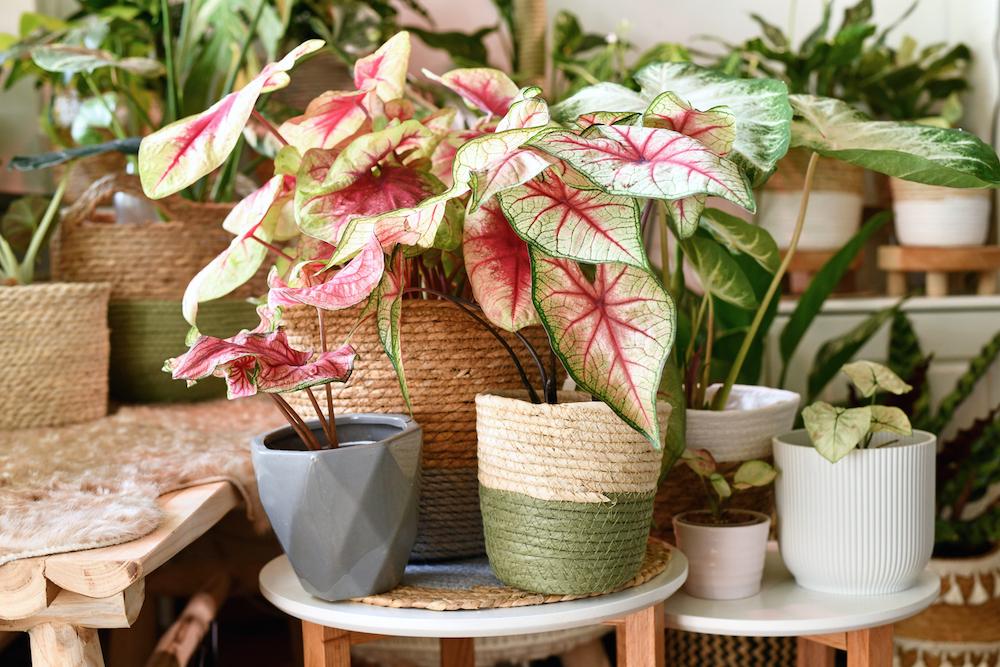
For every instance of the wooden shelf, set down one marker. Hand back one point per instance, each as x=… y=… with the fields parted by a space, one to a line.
x=937 y=263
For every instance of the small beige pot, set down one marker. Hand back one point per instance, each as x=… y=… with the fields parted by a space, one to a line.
x=725 y=562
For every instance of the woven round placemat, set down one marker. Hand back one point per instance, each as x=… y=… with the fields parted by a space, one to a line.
x=469 y=585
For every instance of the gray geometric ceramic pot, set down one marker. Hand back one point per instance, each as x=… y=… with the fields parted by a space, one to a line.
x=346 y=517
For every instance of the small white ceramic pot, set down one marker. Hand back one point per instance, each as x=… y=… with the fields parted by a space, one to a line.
x=725 y=562
x=927 y=215
x=744 y=430
x=832 y=219
x=863 y=525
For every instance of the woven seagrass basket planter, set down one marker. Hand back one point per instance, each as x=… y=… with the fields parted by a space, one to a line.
x=148 y=265
x=566 y=492
x=54 y=354
x=963 y=626
x=448 y=360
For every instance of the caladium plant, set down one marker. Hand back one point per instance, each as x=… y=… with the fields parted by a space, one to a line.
x=720 y=489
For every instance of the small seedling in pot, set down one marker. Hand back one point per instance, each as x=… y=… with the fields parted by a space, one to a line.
x=719 y=490
x=836 y=431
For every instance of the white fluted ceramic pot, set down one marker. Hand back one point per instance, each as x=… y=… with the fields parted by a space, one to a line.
x=863 y=525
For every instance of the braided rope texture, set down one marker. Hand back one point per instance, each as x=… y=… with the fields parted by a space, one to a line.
x=566 y=492
x=691 y=649
x=54 y=354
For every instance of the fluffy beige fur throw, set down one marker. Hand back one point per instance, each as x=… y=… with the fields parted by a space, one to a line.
x=95 y=484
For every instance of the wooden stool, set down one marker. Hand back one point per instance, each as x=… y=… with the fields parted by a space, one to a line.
x=937 y=263
x=805 y=264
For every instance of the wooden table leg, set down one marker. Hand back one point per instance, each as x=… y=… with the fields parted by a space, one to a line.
x=59 y=645
x=640 y=639
x=325 y=647
x=813 y=654
x=870 y=648
x=458 y=652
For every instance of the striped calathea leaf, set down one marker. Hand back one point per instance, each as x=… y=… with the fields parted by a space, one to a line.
x=922 y=153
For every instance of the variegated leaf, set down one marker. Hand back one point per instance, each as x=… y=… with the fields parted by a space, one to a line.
x=744 y=237
x=508 y=171
x=499 y=270
x=70 y=60
x=647 y=162
x=388 y=315
x=489 y=90
x=179 y=154
x=329 y=119
x=613 y=334
x=716 y=128
x=347 y=287
x=836 y=431
x=686 y=213
x=584 y=225
x=585 y=120
x=531 y=112
x=384 y=72
x=890 y=419
x=921 y=153
x=720 y=274
x=417 y=227
x=870 y=377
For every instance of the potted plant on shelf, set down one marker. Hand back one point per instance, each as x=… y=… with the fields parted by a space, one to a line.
x=725 y=546
x=55 y=349
x=855 y=500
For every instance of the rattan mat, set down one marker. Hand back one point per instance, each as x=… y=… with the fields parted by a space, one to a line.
x=470 y=584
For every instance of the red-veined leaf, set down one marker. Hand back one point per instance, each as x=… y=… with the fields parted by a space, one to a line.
x=585 y=120
x=417 y=226
x=384 y=72
x=496 y=260
x=489 y=90
x=585 y=225
x=179 y=154
x=647 y=162
x=686 y=213
x=716 y=128
x=507 y=171
x=388 y=314
x=347 y=287
x=329 y=119
x=613 y=334
x=530 y=112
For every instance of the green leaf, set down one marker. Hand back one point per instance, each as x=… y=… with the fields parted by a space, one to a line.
x=741 y=236
x=869 y=377
x=978 y=367
x=772 y=32
x=891 y=419
x=70 y=60
x=836 y=352
x=821 y=286
x=719 y=272
x=469 y=49
x=388 y=314
x=754 y=473
x=720 y=485
x=921 y=153
x=836 y=431
x=20 y=221
x=672 y=391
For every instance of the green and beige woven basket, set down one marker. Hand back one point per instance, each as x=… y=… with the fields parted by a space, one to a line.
x=566 y=492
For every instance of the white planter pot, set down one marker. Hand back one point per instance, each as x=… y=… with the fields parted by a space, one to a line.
x=926 y=215
x=724 y=562
x=863 y=525
x=833 y=217
x=744 y=430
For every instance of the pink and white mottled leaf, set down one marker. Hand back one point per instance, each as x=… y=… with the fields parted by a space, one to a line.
x=517 y=167
x=489 y=90
x=585 y=225
x=329 y=119
x=179 y=154
x=252 y=220
x=347 y=287
x=716 y=128
x=647 y=162
x=416 y=226
x=499 y=269
x=585 y=120
x=384 y=72
x=530 y=112
x=613 y=334
x=492 y=162
x=252 y=362
x=686 y=213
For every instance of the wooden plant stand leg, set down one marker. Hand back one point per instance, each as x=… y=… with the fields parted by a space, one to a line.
x=640 y=638
x=325 y=647
x=60 y=645
x=870 y=648
x=458 y=652
x=811 y=653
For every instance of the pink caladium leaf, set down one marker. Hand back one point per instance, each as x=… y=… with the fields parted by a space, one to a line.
x=686 y=213
x=499 y=269
x=585 y=120
x=585 y=225
x=489 y=90
x=256 y=361
x=253 y=221
x=531 y=112
x=507 y=171
x=384 y=72
x=613 y=333
x=647 y=162
x=716 y=128
x=177 y=155
x=417 y=226
x=347 y=287
x=329 y=119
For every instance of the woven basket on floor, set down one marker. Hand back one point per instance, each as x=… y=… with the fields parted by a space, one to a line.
x=963 y=626
x=148 y=265
x=566 y=492
x=54 y=354
x=691 y=649
x=448 y=360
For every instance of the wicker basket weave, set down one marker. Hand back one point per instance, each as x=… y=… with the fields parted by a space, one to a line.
x=448 y=360
x=830 y=174
x=54 y=354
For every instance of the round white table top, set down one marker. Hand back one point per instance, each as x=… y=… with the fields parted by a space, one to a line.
x=281 y=587
x=783 y=609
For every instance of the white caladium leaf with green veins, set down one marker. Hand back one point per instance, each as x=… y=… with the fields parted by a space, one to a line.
x=891 y=419
x=921 y=153
x=647 y=162
x=613 y=333
x=870 y=377
x=836 y=431
x=584 y=225
x=177 y=155
x=742 y=236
